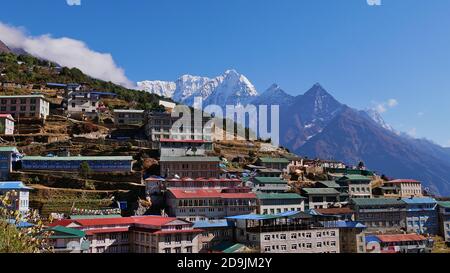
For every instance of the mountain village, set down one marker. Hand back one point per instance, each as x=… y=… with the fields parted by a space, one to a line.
x=107 y=176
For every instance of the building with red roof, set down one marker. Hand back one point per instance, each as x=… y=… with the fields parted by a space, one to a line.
x=402 y=188
x=143 y=234
x=210 y=204
x=398 y=243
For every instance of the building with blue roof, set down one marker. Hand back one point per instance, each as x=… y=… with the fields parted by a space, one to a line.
x=421 y=215
x=20 y=198
x=215 y=232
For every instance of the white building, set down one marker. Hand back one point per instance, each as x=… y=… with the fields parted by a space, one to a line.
x=273 y=203
x=25 y=106
x=20 y=195
x=128 y=117
x=82 y=102
x=6 y=124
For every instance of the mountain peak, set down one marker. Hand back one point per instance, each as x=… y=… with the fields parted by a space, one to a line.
x=317 y=90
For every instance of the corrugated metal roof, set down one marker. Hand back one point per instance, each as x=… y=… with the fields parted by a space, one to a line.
x=268 y=180
x=444 y=204
x=377 y=202
x=128 y=111
x=67 y=232
x=213 y=224
x=78 y=158
x=8 y=149
x=329 y=184
x=320 y=191
x=273 y=160
x=419 y=200
x=266 y=196
x=189 y=159
x=13 y=185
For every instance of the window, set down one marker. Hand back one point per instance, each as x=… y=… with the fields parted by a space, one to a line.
x=283 y=248
x=189 y=249
x=267 y=248
x=293 y=247
x=283 y=236
x=267 y=237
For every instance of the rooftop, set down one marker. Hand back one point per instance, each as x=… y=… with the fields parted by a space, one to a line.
x=444 y=204
x=77 y=158
x=289 y=214
x=8 y=149
x=335 y=211
x=273 y=160
x=377 y=202
x=419 y=200
x=320 y=191
x=355 y=177
x=13 y=185
x=268 y=180
x=329 y=184
x=37 y=96
x=392 y=238
x=403 y=181
x=222 y=223
x=209 y=193
x=65 y=232
x=129 y=111
x=270 y=196
x=189 y=159
x=7 y=116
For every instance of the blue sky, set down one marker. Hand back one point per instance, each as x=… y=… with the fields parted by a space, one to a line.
x=363 y=55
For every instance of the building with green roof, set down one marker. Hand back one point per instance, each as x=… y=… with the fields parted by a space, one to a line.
x=444 y=220
x=321 y=198
x=380 y=214
x=73 y=163
x=68 y=240
x=273 y=203
x=273 y=163
x=269 y=184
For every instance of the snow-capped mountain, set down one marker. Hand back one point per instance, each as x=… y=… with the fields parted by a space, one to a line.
x=229 y=88
x=274 y=95
x=376 y=116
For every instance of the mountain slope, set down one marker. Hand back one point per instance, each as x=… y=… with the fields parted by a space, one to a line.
x=307 y=116
x=4 y=48
x=352 y=136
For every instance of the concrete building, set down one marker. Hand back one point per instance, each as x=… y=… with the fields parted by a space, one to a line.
x=165 y=125
x=209 y=204
x=6 y=124
x=421 y=215
x=343 y=214
x=321 y=198
x=269 y=184
x=144 y=234
x=68 y=240
x=83 y=102
x=444 y=220
x=273 y=163
x=8 y=155
x=123 y=117
x=273 y=203
x=291 y=232
x=73 y=163
x=380 y=214
x=188 y=147
x=397 y=243
x=357 y=186
x=25 y=106
x=403 y=188
x=352 y=238
x=20 y=195
x=189 y=166
x=214 y=233
x=203 y=183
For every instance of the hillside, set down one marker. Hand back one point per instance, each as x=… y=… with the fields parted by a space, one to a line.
x=25 y=69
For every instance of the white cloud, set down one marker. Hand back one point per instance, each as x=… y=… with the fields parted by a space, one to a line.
x=385 y=106
x=66 y=52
